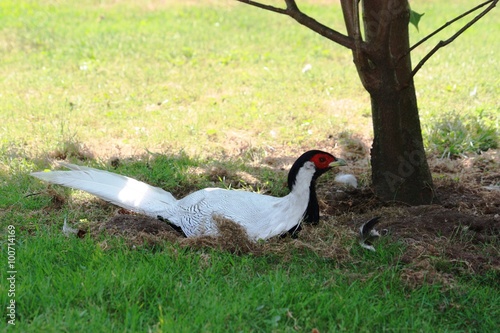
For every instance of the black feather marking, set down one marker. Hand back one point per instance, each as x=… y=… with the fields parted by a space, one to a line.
x=175 y=227
x=368 y=226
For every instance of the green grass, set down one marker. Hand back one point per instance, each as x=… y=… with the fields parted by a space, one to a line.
x=169 y=77
x=103 y=283
x=452 y=135
x=67 y=284
x=209 y=86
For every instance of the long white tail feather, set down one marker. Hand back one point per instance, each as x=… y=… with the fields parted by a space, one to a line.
x=117 y=189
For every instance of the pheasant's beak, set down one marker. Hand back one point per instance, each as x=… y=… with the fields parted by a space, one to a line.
x=338 y=162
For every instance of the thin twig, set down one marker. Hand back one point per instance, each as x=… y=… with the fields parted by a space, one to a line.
x=446 y=25
x=264 y=6
x=452 y=38
x=32 y=194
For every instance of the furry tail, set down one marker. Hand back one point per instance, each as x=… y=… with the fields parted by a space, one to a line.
x=122 y=191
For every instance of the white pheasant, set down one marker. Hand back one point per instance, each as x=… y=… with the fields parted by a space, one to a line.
x=262 y=216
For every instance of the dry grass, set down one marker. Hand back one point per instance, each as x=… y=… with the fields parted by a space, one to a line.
x=327 y=241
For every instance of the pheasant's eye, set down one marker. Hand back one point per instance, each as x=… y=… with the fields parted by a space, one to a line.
x=322 y=159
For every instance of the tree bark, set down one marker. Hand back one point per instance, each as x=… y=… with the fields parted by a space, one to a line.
x=399 y=167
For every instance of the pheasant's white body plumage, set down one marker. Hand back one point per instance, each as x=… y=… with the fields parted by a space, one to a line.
x=262 y=216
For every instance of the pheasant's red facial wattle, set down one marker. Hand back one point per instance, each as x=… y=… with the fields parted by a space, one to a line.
x=323 y=160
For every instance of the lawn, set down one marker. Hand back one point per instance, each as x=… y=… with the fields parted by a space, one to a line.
x=189 y=94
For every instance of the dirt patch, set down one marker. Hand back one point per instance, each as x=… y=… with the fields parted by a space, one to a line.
x=442 y=243
x=135 y=224
x=458 y=236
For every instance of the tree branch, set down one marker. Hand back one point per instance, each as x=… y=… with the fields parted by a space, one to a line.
x=442 y=43
x=448 y=24
x=347 y=11
x=356 y=32
x=291 y=5
x=294 y=12
x=350 y=10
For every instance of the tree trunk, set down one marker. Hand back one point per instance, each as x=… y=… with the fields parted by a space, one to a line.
x=399 y=167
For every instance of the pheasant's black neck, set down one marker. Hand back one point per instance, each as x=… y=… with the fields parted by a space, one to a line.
x=312 y=211
x=311 y=214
